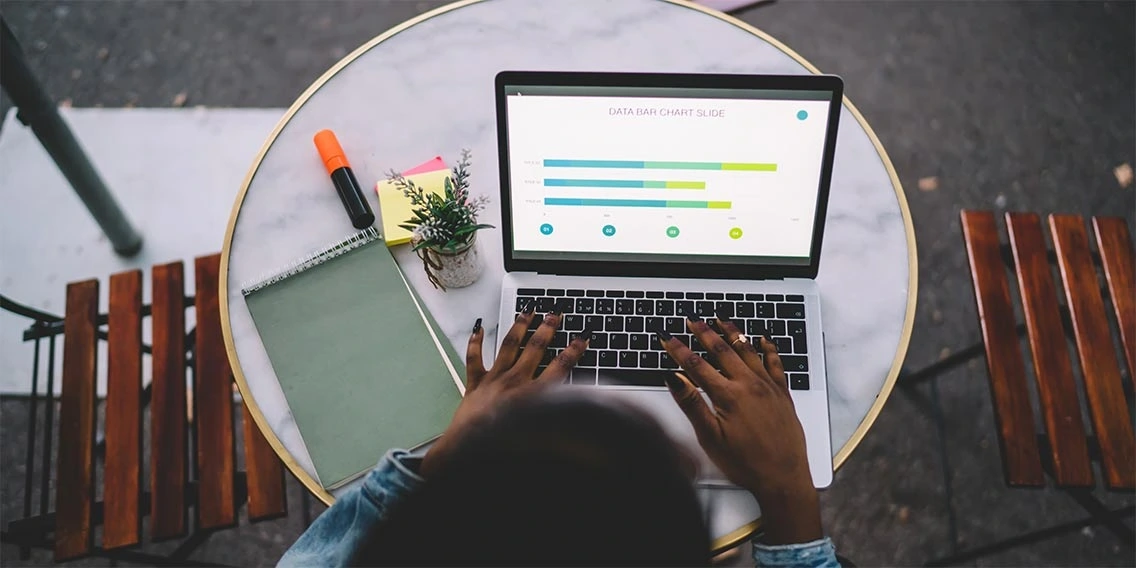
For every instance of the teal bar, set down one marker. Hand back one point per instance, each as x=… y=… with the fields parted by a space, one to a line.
x=581 y=202
x=596 y=183
x=688 y=204
x=592 y=164
x=627 y=164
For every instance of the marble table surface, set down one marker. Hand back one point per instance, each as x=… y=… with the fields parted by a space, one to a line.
x=426 y=89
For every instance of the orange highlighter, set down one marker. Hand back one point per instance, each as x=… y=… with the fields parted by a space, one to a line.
x=345 y=183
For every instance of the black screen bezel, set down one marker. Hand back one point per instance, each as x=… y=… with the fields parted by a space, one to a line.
x=831 y=83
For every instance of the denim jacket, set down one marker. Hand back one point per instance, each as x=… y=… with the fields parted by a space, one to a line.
x=335 y=535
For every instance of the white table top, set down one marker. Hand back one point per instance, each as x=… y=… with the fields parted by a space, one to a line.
x=426 y=88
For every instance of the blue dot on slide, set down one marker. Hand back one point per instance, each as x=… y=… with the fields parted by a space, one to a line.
x=801 y=115
x=546 y=229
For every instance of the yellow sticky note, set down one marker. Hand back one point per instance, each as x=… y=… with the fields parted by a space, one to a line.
x=395 y=206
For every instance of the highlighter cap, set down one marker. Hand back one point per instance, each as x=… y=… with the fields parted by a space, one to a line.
x=330 y=151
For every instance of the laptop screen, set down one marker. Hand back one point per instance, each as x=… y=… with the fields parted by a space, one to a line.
x=664 y=174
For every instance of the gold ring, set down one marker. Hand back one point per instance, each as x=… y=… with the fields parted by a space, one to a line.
x=741 y=337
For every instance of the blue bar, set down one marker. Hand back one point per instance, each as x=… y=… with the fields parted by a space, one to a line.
x=594 y=183
x=605 y=202
x=592 y=164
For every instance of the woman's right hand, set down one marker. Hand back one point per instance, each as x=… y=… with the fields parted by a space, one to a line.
x=752 y=432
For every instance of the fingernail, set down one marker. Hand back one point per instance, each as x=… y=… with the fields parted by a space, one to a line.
x=477 y=325
x=663 y=335
x=529 y=308
x=694 y=318
x=673 y=382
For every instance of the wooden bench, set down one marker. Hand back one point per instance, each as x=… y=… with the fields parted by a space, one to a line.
x=204 y=479
x=1064 y=451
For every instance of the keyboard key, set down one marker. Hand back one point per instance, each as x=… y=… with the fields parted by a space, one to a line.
x=634 y=294
x=594 y=293
x=684 y=308
x=656 y=344
x=664 y=307
x=560 y=340
x=618 y=340
x=654 y=323
x=725 y=309
x=588 y=359
x=755 y=297
x=545 y=304
x=585 y=305
x=795 y=362
x=609 y=358
x=615 y=293
x=784 y=344
x=796 y=328
x=549 y=355
x=674 y=295
x=565 y=305
x=735 y=296
x=633 y=323
x=634 y=377
x=695 y=295
x=573 y=292
x=794 y=298
x=605 y=306
x=530 y=291
x=644 y=307
x=594 y=323
x=764 y=310
x=535 y=322
x=655 y=294
x=599 y=341
x=640 y=341
x=628 y=359
x=666 y=362
x=554 y=292
x=745 y=309
x=715 y=296
x=798 y=381
x=586 y=377
x=756 y=327
x=791 y=311
x=613 y=323
x=625 y=307
x=573 y=322
x=777 y=327
x=704 y=308
x=774 y=298
x=676 y=325
x=523 y=301
x=800 y=344
x=648 y=360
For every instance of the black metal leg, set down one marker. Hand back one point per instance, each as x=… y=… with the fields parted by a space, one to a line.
x=29 y=462
x=189 y=545
x=48 y=426
x=1103 y=515
x=38 y=111
x=306 y=507
x=945 y=465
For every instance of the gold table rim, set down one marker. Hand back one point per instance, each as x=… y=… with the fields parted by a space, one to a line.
x=720 y=544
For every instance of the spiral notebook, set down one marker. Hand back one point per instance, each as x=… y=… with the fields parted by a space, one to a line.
x=363 y=365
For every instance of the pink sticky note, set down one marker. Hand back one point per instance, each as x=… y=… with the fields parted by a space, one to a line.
x=430 y=166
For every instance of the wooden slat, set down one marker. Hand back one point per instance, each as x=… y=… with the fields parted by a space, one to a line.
x=1094 y=344
x=167 y=404
x=213 y=410
x=122 y=476
x=74 y=481
x=1119 y=260
x=1054 y=371
x=1016 y=433
x=264 y=473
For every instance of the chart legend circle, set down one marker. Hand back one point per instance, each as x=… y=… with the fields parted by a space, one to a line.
x=546 y=229
x=672 y=231
x=609 y=230
x=802 y=114
x=736 y=233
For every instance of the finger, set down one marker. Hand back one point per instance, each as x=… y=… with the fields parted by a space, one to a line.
x=537 y=345
x=690 y=401
x=773 y=364
x=511 y=343
x=474 y=364
x=732 y=365
x=564 y=361
x=701 y=372
x=744 y=349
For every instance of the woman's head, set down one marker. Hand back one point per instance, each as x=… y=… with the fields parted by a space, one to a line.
x=555 y=478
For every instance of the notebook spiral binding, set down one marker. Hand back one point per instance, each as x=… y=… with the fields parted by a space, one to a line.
x=336 y=249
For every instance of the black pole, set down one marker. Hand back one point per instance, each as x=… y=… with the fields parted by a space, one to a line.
x=38 y=112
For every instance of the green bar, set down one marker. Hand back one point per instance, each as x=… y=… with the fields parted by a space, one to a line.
x=682 y=165
x=719 y=204
x=683 y=184
x=687 y=204
x=655 y=184
x=749 y=167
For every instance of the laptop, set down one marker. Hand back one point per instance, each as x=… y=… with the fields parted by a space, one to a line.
x=630 y=200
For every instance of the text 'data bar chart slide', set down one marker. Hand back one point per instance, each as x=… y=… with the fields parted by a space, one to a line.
x=651 y=177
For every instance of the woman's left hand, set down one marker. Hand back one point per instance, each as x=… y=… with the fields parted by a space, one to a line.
x=512 y=374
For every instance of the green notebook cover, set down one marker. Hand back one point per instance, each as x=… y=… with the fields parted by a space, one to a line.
x=362 y=363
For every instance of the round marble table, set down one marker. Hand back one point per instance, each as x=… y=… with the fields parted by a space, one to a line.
x=425 y=88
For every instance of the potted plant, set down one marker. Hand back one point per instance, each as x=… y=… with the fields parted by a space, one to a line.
x=445 y=227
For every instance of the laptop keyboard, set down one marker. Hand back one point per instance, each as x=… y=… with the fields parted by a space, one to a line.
x=627 y=351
